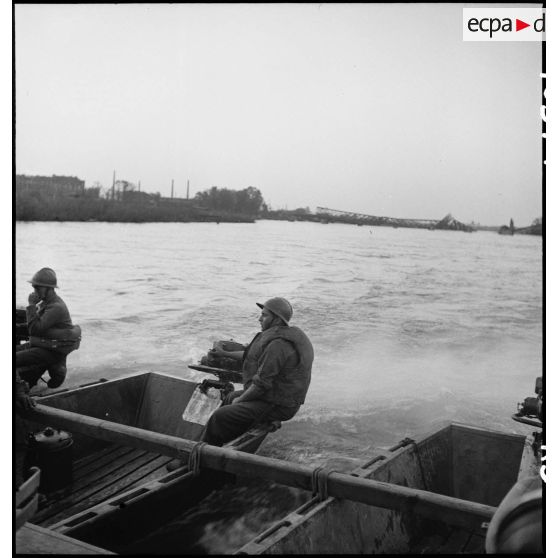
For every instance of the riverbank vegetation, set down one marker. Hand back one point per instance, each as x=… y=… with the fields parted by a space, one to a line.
x=127 y=204
x=216 y=204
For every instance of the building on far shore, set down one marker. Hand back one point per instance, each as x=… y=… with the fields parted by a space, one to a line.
x=54 y=186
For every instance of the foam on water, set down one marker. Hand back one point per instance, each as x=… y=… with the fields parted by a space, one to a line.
x=411 y=328
x=444 y=310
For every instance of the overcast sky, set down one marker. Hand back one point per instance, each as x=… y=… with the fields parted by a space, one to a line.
x=377 y=109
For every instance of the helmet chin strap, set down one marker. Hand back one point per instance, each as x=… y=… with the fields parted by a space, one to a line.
x=277 y=320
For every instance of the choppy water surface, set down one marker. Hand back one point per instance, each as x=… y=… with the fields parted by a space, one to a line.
x=410 y=327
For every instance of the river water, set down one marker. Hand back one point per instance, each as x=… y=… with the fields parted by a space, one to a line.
x=410 y=327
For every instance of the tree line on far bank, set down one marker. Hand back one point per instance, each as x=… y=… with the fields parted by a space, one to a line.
x=215 y=204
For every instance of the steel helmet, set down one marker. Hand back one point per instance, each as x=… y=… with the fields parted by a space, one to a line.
x=45 y=277
x=280 y=307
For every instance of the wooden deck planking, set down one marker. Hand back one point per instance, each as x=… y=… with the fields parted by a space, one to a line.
x=95 y=455
x=87 y=469
x=83 y=467
x=116 y=481
x=87 y=485
x=111 y=477
x=123 y=483
x=31 y=539
x=157 y=468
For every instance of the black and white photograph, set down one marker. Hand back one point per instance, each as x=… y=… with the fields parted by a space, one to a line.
x=279 y=278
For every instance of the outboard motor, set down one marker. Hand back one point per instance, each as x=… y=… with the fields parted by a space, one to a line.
x=225 y=368
x=223 y=362
x=531 y=410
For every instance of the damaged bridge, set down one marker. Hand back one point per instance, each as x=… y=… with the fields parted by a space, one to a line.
x=447 y=223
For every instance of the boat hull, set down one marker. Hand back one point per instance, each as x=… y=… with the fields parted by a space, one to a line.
x=118 y=492
x=465 y=471
x=464 y=462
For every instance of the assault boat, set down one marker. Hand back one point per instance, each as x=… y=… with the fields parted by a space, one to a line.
x=484 y=487
x=437 y=494
x=465 y=469
x=106 y=484
x=104 y=463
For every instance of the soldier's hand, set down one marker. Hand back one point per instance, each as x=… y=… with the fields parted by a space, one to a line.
x=24 y=402
x=34 y=298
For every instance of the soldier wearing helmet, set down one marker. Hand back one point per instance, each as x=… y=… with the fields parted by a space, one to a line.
x=52 y=335
x=276 y=371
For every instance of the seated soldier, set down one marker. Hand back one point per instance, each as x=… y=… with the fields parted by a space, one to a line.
x=52 y=335
x=276 y=370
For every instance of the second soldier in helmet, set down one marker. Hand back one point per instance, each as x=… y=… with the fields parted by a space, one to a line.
x=52 y=335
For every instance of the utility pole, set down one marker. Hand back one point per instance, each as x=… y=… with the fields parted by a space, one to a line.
x=188 y=189
x=113 y=182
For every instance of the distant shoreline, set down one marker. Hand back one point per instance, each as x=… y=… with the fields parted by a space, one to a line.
x=209 y=219
x=532 y=230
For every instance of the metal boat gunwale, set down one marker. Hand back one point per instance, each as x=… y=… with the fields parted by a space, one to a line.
x=300 y=529
x=284 y=472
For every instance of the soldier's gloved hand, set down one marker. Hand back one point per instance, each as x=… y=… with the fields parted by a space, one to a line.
x=34 y=298
x=24 y=402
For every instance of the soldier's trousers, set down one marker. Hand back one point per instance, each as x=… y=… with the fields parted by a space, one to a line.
x=230 y=421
